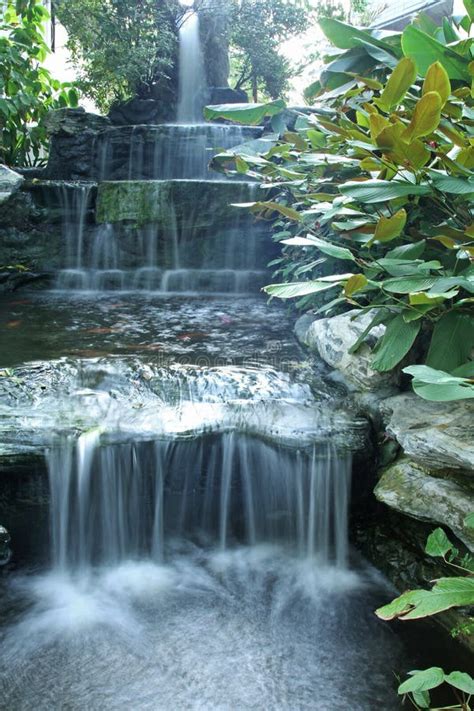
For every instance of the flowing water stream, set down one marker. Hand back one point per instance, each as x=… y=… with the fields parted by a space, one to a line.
x=177 y=494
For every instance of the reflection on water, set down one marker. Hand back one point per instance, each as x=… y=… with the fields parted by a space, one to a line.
x=208 y=331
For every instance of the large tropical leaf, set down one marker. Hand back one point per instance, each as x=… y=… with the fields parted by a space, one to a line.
x=395 y=344
x=398 y=84
x=452 y=341
x=425 y=50
x=382 y=190
x=248 y=114
x=346 y=36
x=438 y=386
x=414 y=604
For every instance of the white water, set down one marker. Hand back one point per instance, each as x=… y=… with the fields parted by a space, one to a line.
x=192 y=80
x=192 y=251
x=117 y=502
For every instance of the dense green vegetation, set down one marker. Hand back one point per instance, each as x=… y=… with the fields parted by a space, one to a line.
x=372 y=194
x=27 y=89
x=122 y=48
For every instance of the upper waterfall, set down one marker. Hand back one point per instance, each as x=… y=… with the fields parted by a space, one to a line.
x=192 y=78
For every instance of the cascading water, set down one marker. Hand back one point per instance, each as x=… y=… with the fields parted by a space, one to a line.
x=192 y=81
x=117 y=502
x=199 y=515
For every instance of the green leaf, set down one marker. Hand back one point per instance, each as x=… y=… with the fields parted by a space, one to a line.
x=382 y=190
x=346 y=36
x=438 y=386
x=401 y=79
x=469 y=520
x=438 y=544
x=452 y=341
x=422 y=681
x=354 y=284
x=452 y=184
x=248 y=114
x=422 y=698
x=437 y=80
x=462 y=681
x=388 y=228
x=412 y=250
x=379 y=318
x=426 y=117
x=289 y=291
x=425 y=50
x=333 y=250
x=395 y=344
x=409 y=285
x=415 y=604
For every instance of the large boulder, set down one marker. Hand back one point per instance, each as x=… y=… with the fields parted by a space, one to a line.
x=73 y=134
x=10 y=182
x=437 y=435
x=411 y=489
x=332 y=338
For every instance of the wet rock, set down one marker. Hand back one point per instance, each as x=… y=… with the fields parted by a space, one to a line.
x=416 y=491
x=226 y=95
x=5 y=552
x=138 y=112
x=332 y=338
x=73 y=135
x=215 y=44
x=437 y=435
x=10 y=182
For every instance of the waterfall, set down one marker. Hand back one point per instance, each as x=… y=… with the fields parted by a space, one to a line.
x=116 y=502
x=192 y=82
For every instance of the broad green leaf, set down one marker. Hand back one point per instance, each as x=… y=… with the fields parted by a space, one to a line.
x=377 y=123
x=248 y=114
x=452 y=341
x=388 y=228
x=425 y=50
x=452 y=184
x=354 y=284
x=422 y=681
x=401 y=79
x=269 y=207
x=346 y=36
x=438 y=544
x=397 y=150
x=289 y=291
x=395 y=344
x=415 y=604
x=462 y=681
x=412 y=250
x=333 y=250
x=469 y=520
x=408 y=285
x=426 y=117
x=422 y=698
x=382 y=190
x=437 y=80
x=438 y=386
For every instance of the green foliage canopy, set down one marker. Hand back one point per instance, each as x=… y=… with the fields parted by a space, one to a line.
x=124 y=48
x=27 y=89
x=380 y=177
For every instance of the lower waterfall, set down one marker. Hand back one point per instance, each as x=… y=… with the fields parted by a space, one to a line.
x=123 y=501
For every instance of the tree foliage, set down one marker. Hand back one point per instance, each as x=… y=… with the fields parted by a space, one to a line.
x=27 y=89
x=376 y=197
x=257 y=29
x=123 y=48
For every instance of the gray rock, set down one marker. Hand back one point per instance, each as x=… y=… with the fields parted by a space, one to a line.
x=5 y=552
x=438 y=435
x=413 y=490
x=332 y=339
x=10 y=182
